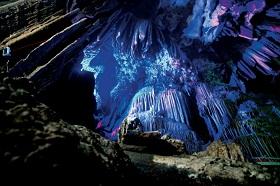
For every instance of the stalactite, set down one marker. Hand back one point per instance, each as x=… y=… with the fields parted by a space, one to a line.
x=166 y=111
x=212 y=110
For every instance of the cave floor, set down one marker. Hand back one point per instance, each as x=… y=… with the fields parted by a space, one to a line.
x=197 y=169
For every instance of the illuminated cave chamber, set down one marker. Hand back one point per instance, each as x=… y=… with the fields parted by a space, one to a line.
x=160 y=90
x=141 y=70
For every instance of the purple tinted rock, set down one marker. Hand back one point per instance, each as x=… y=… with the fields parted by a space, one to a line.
x=246 y=32
x=274 y=11
x=246 y=70
x=259 y=55
x=226 y=3
x=255 y=6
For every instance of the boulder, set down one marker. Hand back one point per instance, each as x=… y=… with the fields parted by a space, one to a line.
x=131 y=137
x=33 y=139
x=230 y=151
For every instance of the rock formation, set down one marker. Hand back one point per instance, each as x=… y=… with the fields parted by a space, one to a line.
x=21 y=14
x=34 y=138
x=168 y=78
x=133 y=138
x=195 y=170
x=230 y=151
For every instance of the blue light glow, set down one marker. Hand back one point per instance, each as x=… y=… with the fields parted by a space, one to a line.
x=140 y=70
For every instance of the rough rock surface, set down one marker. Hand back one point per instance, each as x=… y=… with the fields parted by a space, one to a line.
x=230 y=151
x=177 y=144
x=206 y=170
x=33 y=138
x=151 y=142
x=20 y=14
x=133 y=138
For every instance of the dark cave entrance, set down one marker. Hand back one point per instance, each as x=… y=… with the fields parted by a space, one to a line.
x=72 y=96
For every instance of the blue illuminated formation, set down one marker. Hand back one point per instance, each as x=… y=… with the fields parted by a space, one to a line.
x=143 y=68
x=174 y=2
x=156 y=88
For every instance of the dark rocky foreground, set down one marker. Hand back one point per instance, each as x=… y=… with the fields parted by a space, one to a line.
x=195 y=170
x=33 y=139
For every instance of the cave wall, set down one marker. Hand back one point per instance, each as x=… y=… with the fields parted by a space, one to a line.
x=20 y=14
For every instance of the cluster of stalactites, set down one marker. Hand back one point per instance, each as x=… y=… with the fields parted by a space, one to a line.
x=213 y=111
x=223 y=20
x=166 y=111
x=255 y=146
x=169 y=112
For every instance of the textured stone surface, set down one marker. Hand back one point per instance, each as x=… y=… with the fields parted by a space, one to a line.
x=133 y=138
x=226 y=151
x=46 y=50
x=177 y=144
x=151 y=142
x=34 y=138
x=22 y=42
x=207 y=170
x=23 y=13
